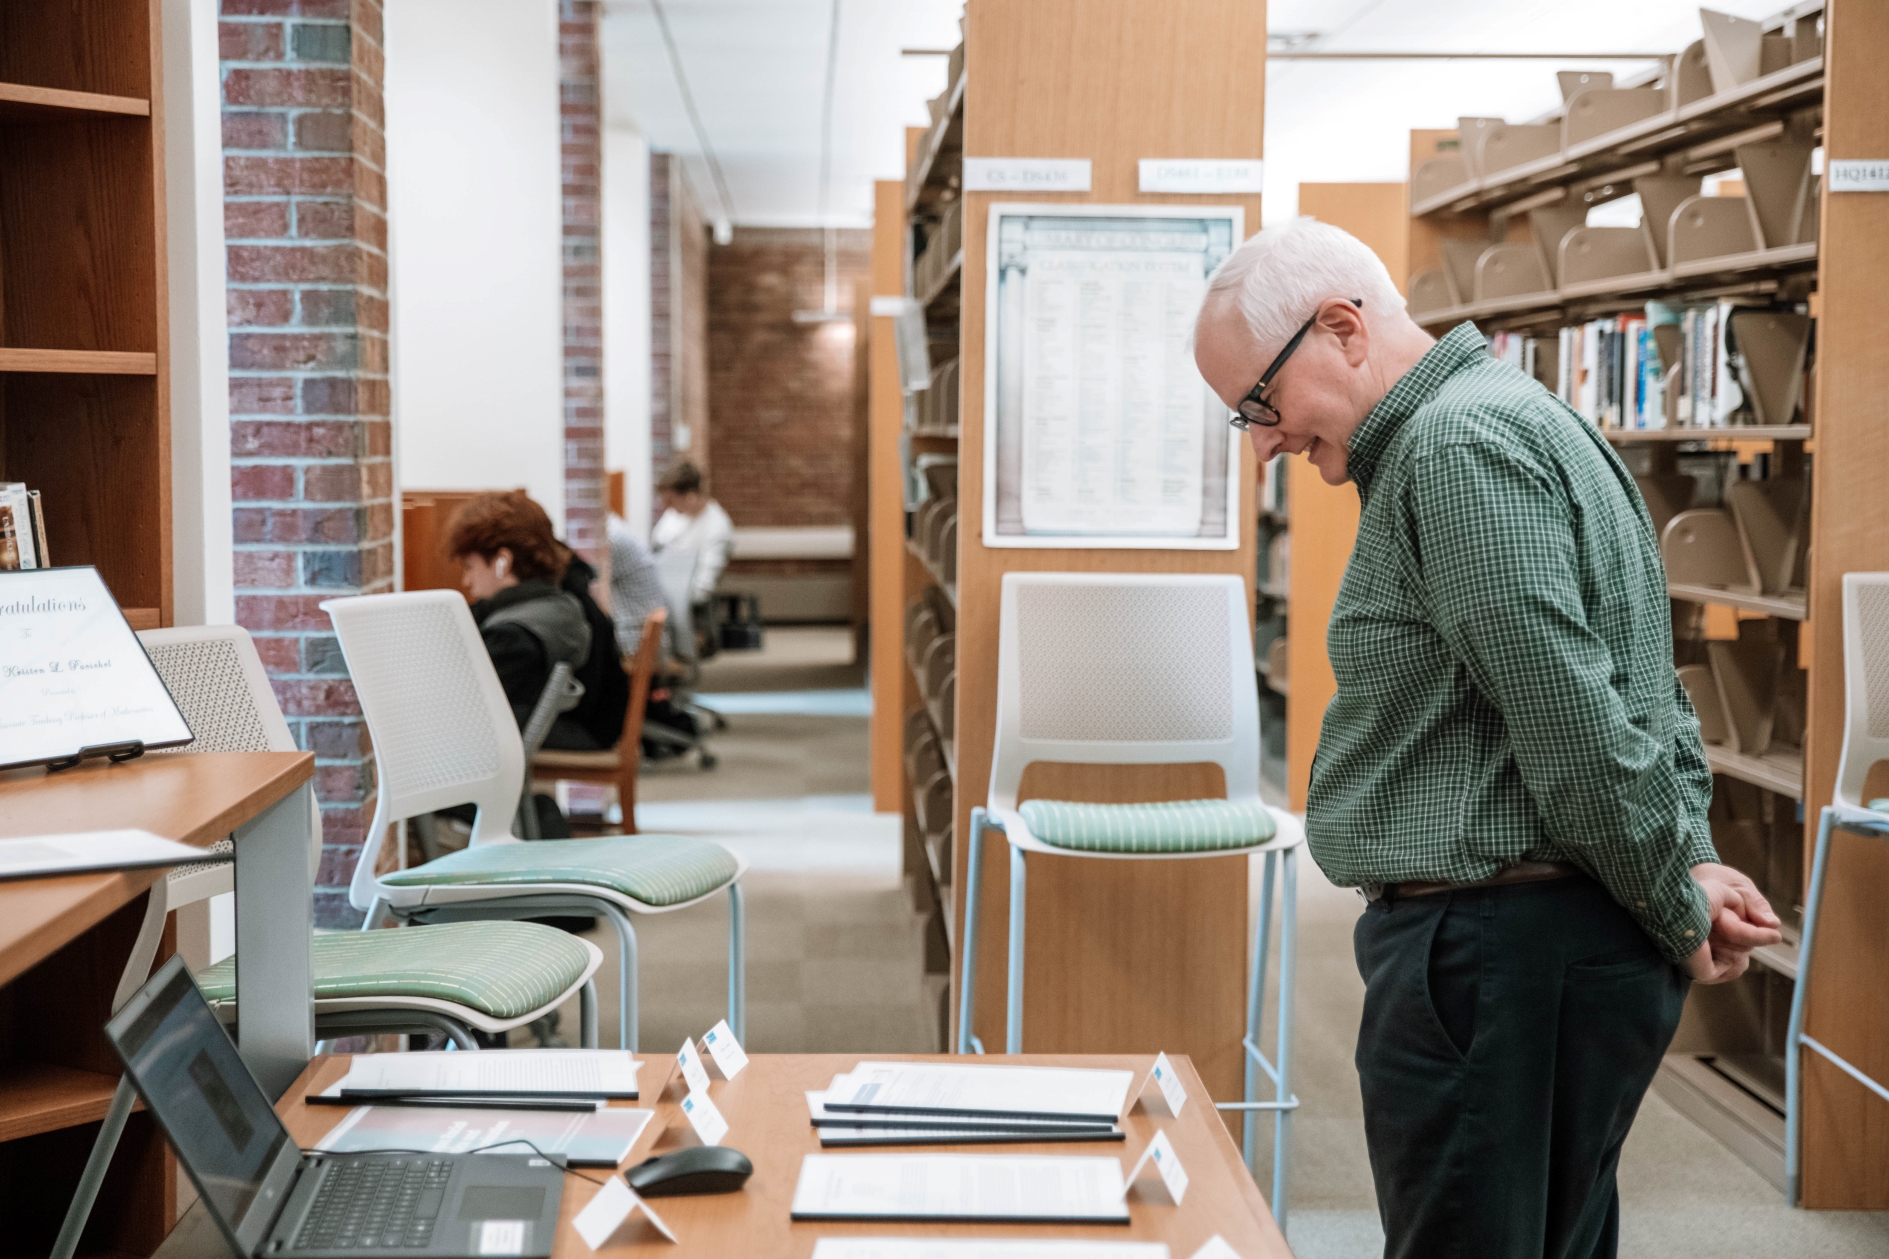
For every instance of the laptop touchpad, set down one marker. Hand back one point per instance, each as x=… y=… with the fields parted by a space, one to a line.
x=501 y=1202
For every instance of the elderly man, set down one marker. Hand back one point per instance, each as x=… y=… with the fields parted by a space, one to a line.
x=1510 y=771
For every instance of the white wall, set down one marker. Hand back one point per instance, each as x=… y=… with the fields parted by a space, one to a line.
x=201 y=547
x=475 y=234
x=626 y=317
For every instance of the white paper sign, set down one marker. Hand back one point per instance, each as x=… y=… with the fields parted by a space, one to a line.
x=500 y=1237
x=1167 y=1162
x=1165 y=1078
x=72 y=674
x=1163 y=174
x=1857 y=175
x=705 y=1118
x=694 y=1074
x=725 y=1050
x=1026 y=174
x=605 y=1214
x=1216 y=1248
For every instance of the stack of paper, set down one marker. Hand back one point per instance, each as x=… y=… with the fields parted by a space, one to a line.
x=894 y=1103
x=597 y=1138
x=991 y=1188
x=562 y=1079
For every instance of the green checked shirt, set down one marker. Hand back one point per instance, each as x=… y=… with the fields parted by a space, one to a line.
x=1502 y=642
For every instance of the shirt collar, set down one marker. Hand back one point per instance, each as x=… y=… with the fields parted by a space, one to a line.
x=1412 y=390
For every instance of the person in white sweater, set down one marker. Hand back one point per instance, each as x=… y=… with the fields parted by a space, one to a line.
x=693 y=521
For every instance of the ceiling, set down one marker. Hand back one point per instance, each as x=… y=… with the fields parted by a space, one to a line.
x=757 y=72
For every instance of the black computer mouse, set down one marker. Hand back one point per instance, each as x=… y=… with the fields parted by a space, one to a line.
x=697 y=1169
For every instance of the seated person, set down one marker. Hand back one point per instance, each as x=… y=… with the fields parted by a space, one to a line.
x=691 y=520
x=531 y=600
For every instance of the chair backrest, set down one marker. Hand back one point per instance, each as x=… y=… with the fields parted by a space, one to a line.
x=1125 y=669
x=217 y=679
x=443 y=732
x=1865 y=682
x=675 y=569
x=641 y=667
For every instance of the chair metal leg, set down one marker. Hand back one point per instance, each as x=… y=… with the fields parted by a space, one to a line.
x=144 y=949
x=967 y=961
x=1255 y=1004
x=96 y=1165
x=1288 y=954
x=587 y=1015
x=340 y=1023
x=1013 y=1011
x=737 y=964
x=1794 y=1033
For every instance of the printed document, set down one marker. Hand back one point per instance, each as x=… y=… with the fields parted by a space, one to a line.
x=939 y=1248
x=514 y=1073
x=599 y=1138
x=824 y=1118
x=1023 y=1092
x=37 y=856
x=1040 y=1188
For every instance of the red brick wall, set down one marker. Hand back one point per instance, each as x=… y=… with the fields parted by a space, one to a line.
x=310 y=415
x=782 y=395
x=585 y=498
x=678 y=327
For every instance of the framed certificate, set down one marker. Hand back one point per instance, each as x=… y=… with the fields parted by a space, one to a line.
x=74 y=679
x=1098 y=429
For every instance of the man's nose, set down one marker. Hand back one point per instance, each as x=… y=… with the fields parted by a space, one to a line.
x=1266 y=441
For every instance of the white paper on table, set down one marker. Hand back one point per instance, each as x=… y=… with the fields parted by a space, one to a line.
x=74 y=675
x=824 y=1118
x=591 y=1138
x=1160 y=1151
x=514 y=1073
x=1024 y=1092
x=606 y=1212
x=844 y=1137
x=705 y=1118
x=36 y=856
x=1045 y=1188
x=1168 y=1081
x=1216 y=1247
x=694 y=1074
x=725 y=1050
x=941 y=1248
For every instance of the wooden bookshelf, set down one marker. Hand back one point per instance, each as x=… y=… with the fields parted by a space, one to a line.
x=84 y=377
x=1727 y=1057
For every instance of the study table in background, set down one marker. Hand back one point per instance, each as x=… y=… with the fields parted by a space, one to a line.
x=766 y=1109
x=64 y=942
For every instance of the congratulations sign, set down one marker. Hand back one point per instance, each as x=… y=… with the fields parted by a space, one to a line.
x=72 y=674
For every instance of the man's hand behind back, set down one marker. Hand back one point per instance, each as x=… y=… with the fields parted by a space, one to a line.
x=1741 y=921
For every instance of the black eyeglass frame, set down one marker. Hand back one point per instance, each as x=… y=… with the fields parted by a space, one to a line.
x=1243 y=418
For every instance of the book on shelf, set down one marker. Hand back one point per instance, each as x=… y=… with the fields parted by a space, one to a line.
x=22 y=529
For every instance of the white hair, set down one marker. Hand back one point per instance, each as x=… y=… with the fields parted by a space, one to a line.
x=1278 y=278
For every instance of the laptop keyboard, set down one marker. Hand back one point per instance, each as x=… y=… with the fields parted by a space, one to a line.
x=376 y=1203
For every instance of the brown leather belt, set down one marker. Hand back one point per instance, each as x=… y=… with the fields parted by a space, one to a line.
x=1520 y=872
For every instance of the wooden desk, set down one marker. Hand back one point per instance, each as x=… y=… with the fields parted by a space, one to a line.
x=63 y=946
x=767 y=1120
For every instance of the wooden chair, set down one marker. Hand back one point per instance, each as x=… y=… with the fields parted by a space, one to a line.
x=616 y=767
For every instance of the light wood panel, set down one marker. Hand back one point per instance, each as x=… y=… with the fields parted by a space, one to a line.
x=766 y=1109
x=1324 y=518
x=885 y=505
x=1846 y=1129
x=1113 y=83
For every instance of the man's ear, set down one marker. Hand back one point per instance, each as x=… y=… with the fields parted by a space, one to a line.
x=1346 y=322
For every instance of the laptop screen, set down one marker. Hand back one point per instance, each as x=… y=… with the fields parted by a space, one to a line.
x=202 y=1094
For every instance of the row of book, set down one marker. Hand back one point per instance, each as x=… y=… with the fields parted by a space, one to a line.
x=1719 y=365
x=22 y=529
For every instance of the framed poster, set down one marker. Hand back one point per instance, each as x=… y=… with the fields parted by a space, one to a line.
x=73 y=677
x=1098 y=429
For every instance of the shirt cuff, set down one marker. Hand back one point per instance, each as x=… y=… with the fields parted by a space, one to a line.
x=1676 y=915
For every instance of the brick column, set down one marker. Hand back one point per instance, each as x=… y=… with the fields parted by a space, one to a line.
x=580 y=108
x=310 y=429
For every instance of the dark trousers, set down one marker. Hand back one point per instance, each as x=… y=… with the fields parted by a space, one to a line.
x=1509 y=1034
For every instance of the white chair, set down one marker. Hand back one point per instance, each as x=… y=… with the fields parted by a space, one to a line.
x=444 y=735
x=1865 y=741
x=1129 y=669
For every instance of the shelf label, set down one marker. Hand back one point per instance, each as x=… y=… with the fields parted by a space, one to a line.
x=1857 y=175
x=1026 y=174
x=1164 y=174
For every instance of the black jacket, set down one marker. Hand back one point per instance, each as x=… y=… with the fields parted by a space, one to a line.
x=533 y=626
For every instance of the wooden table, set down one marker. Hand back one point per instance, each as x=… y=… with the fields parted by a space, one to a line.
x=63 y=946
x=767 y=1120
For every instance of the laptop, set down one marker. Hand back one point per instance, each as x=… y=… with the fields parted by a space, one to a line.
x=271 y=1199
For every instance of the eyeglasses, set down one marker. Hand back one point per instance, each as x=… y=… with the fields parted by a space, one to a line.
x=1255 y=410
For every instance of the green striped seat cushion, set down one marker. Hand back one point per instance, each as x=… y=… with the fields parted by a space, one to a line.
x=501 y=969
x=1173 y=826
x=654 y=869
